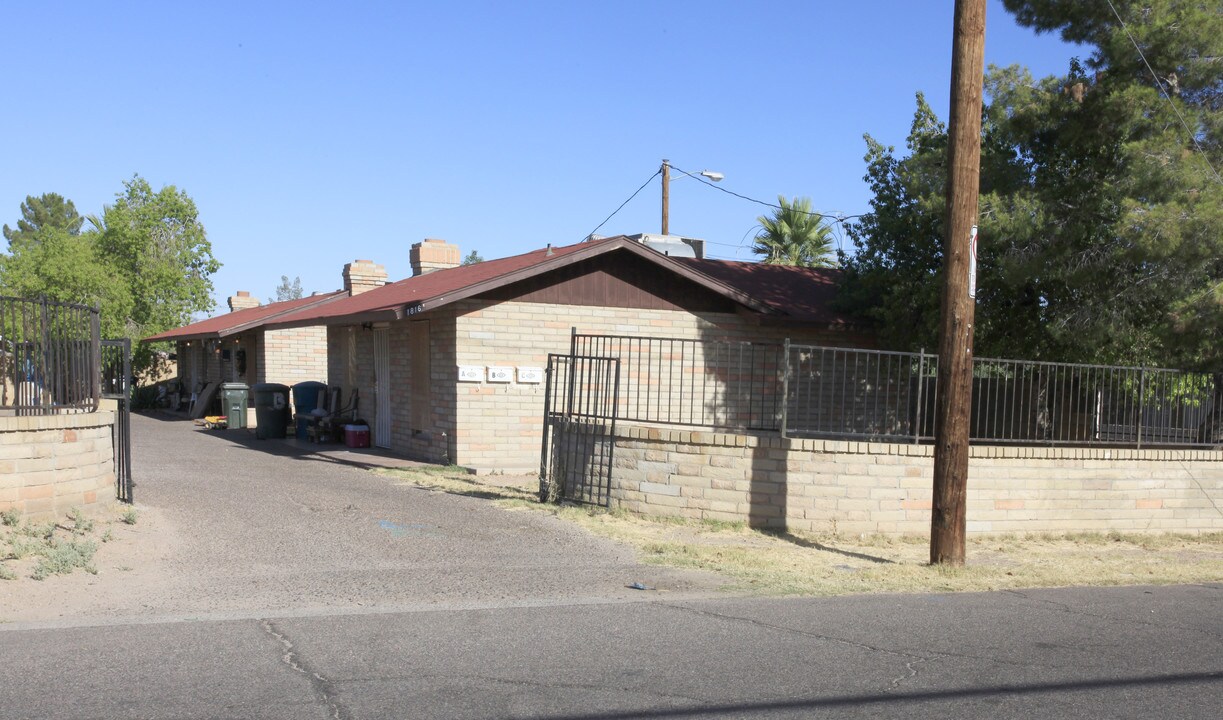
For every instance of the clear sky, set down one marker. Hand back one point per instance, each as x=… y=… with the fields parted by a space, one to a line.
x=311 y=134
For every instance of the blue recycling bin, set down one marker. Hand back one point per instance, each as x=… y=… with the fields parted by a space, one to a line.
x=307 y=396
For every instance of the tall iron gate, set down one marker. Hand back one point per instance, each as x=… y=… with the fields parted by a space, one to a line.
x=116 y=385
x=580 y=404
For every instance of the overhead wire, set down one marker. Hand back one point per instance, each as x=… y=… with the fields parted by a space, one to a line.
x=1163 y=91
x=838 y=218
x=626 y=202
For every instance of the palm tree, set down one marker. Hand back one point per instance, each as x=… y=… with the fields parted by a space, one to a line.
x=794 y=236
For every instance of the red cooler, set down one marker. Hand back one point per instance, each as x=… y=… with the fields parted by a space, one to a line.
x=356 y=436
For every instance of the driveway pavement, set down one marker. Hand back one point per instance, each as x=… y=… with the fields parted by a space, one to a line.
x=276 y=584
x=231 y=525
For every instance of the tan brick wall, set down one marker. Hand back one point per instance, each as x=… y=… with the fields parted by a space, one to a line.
x=499 y=425
x=52 y=463
x=857 y=487
x=294 y=355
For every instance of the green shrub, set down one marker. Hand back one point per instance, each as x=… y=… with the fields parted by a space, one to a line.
x=61 y=557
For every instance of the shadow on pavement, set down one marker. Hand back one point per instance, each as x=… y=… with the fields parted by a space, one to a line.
x=292 y=448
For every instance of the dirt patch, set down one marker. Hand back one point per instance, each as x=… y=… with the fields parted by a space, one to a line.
x=126 y=554
x=812 y=564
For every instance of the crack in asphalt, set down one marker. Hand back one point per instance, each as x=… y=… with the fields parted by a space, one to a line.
x=911 y=659
x=323 y=688
x=1065 y=608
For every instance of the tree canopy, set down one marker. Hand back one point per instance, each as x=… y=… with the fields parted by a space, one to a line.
x=472 y=258
x=48 y=211
x=146 y=261
x=794 y=235
x=1101 y=208
x=287 y=290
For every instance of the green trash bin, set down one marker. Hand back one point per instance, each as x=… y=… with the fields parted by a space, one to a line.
x=233 y=400
x=271 y=410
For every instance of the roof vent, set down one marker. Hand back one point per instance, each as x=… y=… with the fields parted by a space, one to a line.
x=672 y=245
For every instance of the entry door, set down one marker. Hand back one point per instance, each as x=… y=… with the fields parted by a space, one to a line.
x=382 y=388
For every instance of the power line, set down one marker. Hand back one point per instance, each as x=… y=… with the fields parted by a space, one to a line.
x=626 y=202
x=822 y=216
x=1160 y=84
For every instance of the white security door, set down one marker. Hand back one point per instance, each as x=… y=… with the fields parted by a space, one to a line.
x=382 y=388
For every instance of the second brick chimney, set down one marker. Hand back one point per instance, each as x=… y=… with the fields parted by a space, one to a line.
x=362 y=275
x=433 y=255
x=242 y=300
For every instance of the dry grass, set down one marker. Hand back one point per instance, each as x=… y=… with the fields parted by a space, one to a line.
x=806 y=564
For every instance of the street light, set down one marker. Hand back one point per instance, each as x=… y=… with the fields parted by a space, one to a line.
x=666 y=188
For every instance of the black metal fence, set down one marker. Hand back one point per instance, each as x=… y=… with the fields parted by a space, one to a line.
x=49 y=356
x=687 y=382
x=117 y=386
x=849 y=393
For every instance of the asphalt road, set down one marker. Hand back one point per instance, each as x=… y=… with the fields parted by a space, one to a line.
x=303 y=588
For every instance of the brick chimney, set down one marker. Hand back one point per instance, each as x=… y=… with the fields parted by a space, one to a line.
x=433 y=255
x=362 y=275
x=243 y=300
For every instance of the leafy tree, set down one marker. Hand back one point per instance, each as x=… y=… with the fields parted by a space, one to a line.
x=145 y=261
x=472 y=258
x=66 y=267
x=793 y=235
x=288 y=290
x=1101 y=216
x=44 y=212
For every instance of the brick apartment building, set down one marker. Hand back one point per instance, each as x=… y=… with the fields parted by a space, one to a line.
x=239 y=347
x=448 y=363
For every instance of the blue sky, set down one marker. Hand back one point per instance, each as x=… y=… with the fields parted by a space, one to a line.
x=311 y=134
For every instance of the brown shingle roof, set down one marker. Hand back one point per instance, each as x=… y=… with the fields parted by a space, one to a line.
x=239 y=320
x=802 y=294
x=797 y=294
x=442 y=287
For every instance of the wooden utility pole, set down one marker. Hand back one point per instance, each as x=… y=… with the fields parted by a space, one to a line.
x=954 y=400
x=666 y=194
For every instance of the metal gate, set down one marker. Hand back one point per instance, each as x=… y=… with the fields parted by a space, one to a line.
x=116 y=385
x=580 y=403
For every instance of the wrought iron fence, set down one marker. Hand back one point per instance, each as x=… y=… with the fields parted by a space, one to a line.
x=705 y=383
x=49 y=356
x=851 y=393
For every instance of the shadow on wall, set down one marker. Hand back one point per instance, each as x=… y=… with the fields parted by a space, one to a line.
x=746 y=399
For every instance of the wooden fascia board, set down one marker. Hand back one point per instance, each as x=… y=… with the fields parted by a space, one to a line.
x=379 y=315
x=185 y=338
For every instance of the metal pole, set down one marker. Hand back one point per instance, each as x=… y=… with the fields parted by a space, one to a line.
x=954 y=399
x=921 y=382
x=785 y=386
x=1142 y=396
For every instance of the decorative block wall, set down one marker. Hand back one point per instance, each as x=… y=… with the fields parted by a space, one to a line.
x=50 y=464
x=857 y=487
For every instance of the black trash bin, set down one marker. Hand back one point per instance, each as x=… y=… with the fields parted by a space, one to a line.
x=271 y=410
x=233 y=402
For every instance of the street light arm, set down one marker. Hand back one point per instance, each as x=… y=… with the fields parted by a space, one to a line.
x=666 y=188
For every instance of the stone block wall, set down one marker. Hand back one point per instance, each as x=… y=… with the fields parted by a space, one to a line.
x=50 y=464
x=858 y=487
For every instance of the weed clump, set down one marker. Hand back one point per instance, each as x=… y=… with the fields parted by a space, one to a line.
x=61 y=557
